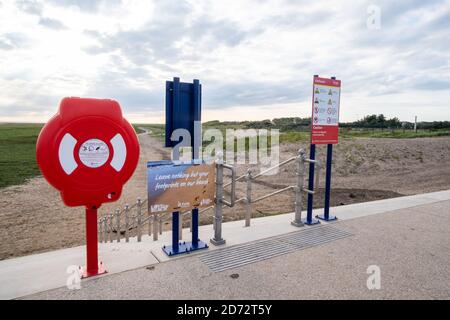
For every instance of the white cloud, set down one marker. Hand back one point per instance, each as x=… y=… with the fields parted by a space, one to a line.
x=255 y=59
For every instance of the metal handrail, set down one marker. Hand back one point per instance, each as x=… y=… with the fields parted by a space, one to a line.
x=279 y=165
x=155 y=221
x=272 y=194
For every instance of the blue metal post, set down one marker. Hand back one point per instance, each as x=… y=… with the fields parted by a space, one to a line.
x=169 y=113
x=175 y=226
x=309 y=218
x=196 y=146
x=196 y=129
x=326 y=216
x=195 y=228
x=183 y=110
x=176 y=247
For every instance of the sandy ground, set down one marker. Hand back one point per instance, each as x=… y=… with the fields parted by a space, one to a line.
x=33 y=218
x=363 y=170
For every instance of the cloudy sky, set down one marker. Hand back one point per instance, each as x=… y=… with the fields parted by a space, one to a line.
x=255 y=59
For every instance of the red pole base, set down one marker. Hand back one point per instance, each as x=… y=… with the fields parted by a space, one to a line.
x=100 y=270
x=93 y=268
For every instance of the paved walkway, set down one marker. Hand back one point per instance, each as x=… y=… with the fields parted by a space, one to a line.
x=406 y=237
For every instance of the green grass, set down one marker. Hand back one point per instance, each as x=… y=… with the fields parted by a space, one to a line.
x=18 y=153
x=294 y=136
x=137 y=128
x=156 y=130
x=392 y=134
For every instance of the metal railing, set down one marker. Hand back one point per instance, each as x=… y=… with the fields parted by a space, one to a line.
x=248 y=200
x=111 y=224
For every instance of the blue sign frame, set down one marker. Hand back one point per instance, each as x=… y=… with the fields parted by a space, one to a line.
x=183 y=108
x=183 y=111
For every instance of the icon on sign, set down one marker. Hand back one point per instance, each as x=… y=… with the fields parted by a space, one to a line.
x=316 y=119
x=330 y=93
x=316 y=101
x=317 y=90
x=329 y=102
x=329 y=110
x=328 y=120
x=316 y=110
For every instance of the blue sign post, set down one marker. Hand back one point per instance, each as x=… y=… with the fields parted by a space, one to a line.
x=326 y=214
x=183 y=111
x=324 y=130
x=309 y=212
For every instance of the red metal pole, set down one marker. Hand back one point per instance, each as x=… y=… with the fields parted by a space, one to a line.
x=91 y=242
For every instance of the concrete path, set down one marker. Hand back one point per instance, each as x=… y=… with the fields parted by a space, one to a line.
x=409 y=242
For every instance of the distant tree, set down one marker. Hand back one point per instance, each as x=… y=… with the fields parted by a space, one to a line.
x=393 y=123
x=381 y=121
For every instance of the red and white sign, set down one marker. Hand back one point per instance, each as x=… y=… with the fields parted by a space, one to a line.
x=325 y=111
x=88 y=151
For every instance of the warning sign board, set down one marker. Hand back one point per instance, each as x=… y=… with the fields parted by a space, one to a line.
x=325 y=111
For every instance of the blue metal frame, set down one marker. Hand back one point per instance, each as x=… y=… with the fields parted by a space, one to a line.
x=326 y=216
x=309 y=218
x=183 y=109
x=196 y=243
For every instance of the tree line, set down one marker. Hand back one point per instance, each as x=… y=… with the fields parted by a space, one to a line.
x=303 y=124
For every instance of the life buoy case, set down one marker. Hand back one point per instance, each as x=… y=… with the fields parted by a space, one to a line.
x=88 y=151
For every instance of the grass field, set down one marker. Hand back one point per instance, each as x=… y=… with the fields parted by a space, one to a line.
x=157 y=130
x=344 y=133
x=18 y=153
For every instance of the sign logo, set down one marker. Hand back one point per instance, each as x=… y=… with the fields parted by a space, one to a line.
x=93 y=153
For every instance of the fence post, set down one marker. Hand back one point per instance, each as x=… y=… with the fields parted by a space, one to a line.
x=118 y=224
x=180 y=226
x=299 y=188
x=155 y=227
x=217 y=223
x=111 y=227
x=139 y=219
x=100 y=231
x=127 y=223
x=149 y=220
x=248 y=212
x=105 y=228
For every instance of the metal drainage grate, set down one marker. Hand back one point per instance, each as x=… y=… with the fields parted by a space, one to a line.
x=233 y=257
